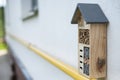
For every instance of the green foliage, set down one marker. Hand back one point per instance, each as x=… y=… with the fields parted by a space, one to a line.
x=3 y=46
x=1 y=22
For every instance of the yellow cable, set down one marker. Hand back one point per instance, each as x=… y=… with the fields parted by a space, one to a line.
x=62 y=66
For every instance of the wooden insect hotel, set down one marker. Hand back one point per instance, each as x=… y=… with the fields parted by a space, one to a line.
x=92 y=40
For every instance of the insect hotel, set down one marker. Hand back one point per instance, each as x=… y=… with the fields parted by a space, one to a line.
x=92 y=37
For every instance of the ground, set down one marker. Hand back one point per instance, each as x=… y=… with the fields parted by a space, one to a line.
x=5 y=65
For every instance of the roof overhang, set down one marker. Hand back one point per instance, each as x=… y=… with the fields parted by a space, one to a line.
x=91 y=13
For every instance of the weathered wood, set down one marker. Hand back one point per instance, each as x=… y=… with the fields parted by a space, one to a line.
x=98 y=52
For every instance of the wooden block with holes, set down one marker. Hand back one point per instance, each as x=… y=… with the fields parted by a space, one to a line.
x=92 y=40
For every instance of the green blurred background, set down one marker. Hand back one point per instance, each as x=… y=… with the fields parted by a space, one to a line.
x=2 y=30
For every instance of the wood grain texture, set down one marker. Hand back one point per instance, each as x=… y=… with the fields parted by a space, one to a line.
x=98 y=41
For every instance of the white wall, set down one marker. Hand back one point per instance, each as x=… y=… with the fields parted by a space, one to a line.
x=52 y=31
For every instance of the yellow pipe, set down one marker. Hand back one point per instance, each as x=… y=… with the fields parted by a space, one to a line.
x=62 y=66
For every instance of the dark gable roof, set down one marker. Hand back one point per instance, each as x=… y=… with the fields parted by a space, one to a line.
x=91 y=13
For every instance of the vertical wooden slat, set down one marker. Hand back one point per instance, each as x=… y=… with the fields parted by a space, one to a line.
x=98 y=37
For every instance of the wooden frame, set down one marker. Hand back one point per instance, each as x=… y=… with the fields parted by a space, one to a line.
x=97 y=50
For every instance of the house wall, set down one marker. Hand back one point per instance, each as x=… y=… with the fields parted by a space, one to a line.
x=52 y=31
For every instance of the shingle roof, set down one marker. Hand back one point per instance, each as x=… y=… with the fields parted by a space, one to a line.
x=91 y=13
